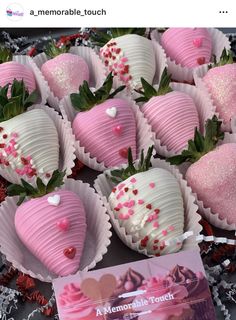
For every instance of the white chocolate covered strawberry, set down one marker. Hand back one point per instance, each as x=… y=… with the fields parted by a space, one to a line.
x=64 y=72
x=29 y=144
x=52 y=224
x=148 y=204
x=128 y=55
x=212 y=173
x=172 y=114
x=105 y=126
x=10 y=70
x=221 y=84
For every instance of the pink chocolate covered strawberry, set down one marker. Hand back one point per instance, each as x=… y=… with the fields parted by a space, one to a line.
x=52 y=224
x=221 y=84
x=172 y=114
x=213 y=171
x=189 y=47
x=128 y=55
x=10 y=70
x=105 y=126
x=64 y=72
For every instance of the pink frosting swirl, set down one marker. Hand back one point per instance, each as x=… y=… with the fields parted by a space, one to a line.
x=74 y=305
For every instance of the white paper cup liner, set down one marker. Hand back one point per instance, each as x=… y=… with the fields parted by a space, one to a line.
x=97 y=236
x=66 y=146
x=41 y=84
x=97 y=72
x=205 y=109
x=144 y=136
x=211 y=217
x=104 y=186
x=179 y=73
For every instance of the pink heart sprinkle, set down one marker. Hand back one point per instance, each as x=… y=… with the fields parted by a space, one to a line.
x=126 y=204
x=171 y=228
x=130 y=212
x=123 y=216
x=120 y=186
x=152 y=185
x=117 y=130
x=131 y=203
x=155 y=224
x=120 y=205
x=164 y=232
x=197 y=42
x=133 y=180
x=121 y=193
x=140 y=201
x=63 y=225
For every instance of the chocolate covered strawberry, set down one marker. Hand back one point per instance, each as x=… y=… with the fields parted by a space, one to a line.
x=52 y=224
x=10 y=70
x=29 y=145
x=189 y=47
x=212 y=173
x=128 y=55
x=105 y=125
x=221 y=84
x=172 y=114
x=148 y=204
x=65 y=71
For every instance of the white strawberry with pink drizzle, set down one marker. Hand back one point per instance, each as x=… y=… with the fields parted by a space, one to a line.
x=212 y=173
x=105 y=126
x=148 y=204
x=220 y=81
x=189 y=47
x=10 y=70
x=52 y=225
x=29 y=144
x=128 y=55
x=64 y=72
x=172 y=114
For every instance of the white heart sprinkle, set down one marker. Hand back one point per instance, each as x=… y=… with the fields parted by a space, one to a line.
x=111 y=112
x=54 y=200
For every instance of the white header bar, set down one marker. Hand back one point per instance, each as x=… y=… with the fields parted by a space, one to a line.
x=117 y=13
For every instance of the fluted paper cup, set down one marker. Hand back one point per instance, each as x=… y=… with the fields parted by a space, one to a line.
x=144 y=136
x=96 y=242
x=97 y=73
x=184 y=74
x=104 y=186
x=66 y=147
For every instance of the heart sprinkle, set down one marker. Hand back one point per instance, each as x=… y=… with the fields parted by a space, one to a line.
x=133 y=180
x=149 y=206
x=140 y=201
x=70 y=252
x=201 y=60
x=117 y=130
x=54 y=200
x=155 y=224
x=152 y=185
x=123 y=153
x=164 y=232
x=197 y=42
x=63 y=224
x=135 y=192
x=111 y=112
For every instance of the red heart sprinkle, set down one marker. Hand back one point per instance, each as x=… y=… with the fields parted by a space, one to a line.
x=149 y=206
x=135 y=192
x=126 y=189
x=201 y=60
x=123 y=153
x=70 y=252
x=63 y=224
x=117 y=209
x=114 y=190
x=156 y=241
x=157 y=211
x=117 y=130
x=155 y=247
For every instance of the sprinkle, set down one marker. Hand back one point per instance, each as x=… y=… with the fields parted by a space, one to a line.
x=113 y=190
x=14 y=135
x=117 y=209
x=144 y=241
x=152 y=185
x=126 y=189
x=124 y=59
x=140 y=201
x=201 y=60
x=120 y=205
x=164 y=232
x=123 y=216
x=2 y=145
x=123 y=153
x=157 y=211
x=120 y=186
x=117 y=130
x=155 y=247
x=130 y=212
x=171 y=228
x=197 y=42
x=135 y=192
x=155 y=224
x=133 y=180
x=5 y=136
x=157 y=255
x=149 y=206
x=1 y=129
x=156 y=241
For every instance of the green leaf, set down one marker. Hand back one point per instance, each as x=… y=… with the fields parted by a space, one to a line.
x=15 y=190
x=13 y=108
x=164 y=86
x=21 y=199
x=55 y=181
x=41 y=186
x=5 y=54
x=31 y=99
x=149 y=91
x=226 y=58
x=30 y=190
x=52 y=50
x=114 y=93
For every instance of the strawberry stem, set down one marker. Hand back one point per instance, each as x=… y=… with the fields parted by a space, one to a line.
x=226 y=58
x=52 y=50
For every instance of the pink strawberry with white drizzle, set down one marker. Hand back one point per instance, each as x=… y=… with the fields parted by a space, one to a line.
x=189 y=47
x=105 y=126
x=212 y=173
x=221 y=84
x=149 y=205
x=10 y=70
x=65 y=72
x=128 y=55
x=52 y=225
x=172 y=115
x=29 y=144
